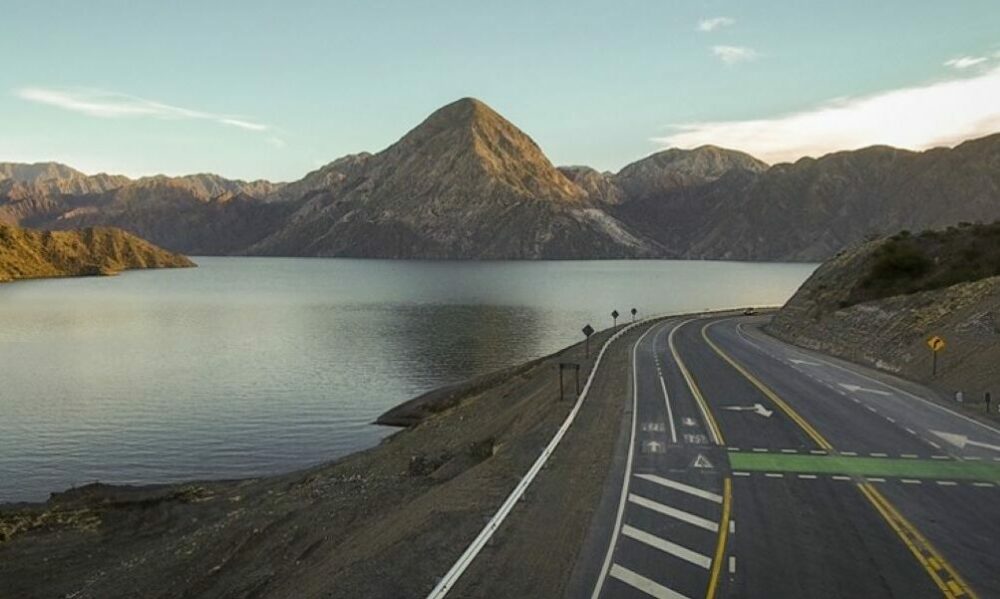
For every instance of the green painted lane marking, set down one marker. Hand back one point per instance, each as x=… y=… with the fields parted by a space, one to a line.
x=865 y=466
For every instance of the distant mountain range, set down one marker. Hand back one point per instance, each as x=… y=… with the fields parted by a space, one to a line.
x=468 y=184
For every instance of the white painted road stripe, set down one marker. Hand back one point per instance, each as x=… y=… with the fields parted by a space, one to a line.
x=628 y=464
x=670 y=484
x=666 y=400
x=910 y=481
x=446 y=582
x=808 y=476
x=947 y=483
x=740 y=473
x=638 y=581
x=673 y=512
x=667 y=547
x=732 y=564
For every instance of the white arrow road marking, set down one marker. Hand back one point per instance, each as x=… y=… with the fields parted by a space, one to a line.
x=756 y=408
x=960 y=441
x=804 y=362
x=652 y=447
x=856 y=388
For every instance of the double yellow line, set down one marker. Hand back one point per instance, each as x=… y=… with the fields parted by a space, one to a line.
x=941 y=572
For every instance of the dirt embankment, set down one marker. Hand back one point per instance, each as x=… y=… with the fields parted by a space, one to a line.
x=880 y=303
x=386 y=522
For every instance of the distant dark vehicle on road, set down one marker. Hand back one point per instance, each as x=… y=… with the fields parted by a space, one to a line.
x=749 y=311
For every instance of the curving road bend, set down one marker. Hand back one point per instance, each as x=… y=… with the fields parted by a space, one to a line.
x=752 y=468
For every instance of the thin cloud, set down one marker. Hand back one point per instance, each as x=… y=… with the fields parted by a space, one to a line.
x=943 y=113
x=734 y=54
x=110 y=105
x=965 y=62
x=276 y=142
x=709 y=25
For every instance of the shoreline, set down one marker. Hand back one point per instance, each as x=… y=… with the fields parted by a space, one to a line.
x=423 y=490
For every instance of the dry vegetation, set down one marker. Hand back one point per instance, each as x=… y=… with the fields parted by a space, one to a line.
x=906 y=263
x=28 y=254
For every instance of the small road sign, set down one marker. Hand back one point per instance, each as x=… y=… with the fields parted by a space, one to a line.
x=587 y=332
x=936 y=344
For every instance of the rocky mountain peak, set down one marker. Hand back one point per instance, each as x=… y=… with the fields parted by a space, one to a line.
x=675 y=168
x=466 y=141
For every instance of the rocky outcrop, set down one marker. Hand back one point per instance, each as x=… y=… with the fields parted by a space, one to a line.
x=844 y=311
x=28 y=254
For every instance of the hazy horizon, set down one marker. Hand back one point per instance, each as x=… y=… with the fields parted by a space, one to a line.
x=253 y=91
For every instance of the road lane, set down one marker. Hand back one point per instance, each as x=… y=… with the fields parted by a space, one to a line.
x=797 y=535
x=673 y=497
x=952 y=502
x=834 y=483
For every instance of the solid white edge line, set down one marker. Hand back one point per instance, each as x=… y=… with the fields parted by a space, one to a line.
x=666 y=396
x=458 y=568
x=606 y=566
x=670 y=412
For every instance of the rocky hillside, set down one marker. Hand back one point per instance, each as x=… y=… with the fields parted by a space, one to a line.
x=28 y=254
x=878 y=305
x=193 y=214
x=465 y=183
x=813 y=208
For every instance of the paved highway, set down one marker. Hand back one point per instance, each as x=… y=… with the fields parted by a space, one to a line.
x=752 y=468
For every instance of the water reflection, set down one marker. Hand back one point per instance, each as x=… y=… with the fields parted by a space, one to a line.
x=248 y=366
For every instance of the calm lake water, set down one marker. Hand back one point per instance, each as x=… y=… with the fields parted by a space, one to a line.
x=251 y=366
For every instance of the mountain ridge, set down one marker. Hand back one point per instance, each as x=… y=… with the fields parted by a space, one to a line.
x=467 y=183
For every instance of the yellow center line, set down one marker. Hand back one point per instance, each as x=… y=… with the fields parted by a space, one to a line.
x=952 y=586
x=713 y=426
x=784 y=407
x=720 y=548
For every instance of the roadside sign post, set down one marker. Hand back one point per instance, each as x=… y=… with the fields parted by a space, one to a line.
x=614 y=317
x=634 y=312
x=937 y=345
x=564 y=366
x=587 y=332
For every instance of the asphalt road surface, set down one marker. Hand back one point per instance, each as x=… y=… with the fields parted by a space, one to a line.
x=752 y=468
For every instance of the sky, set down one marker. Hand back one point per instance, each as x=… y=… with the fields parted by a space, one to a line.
x=275 y=89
